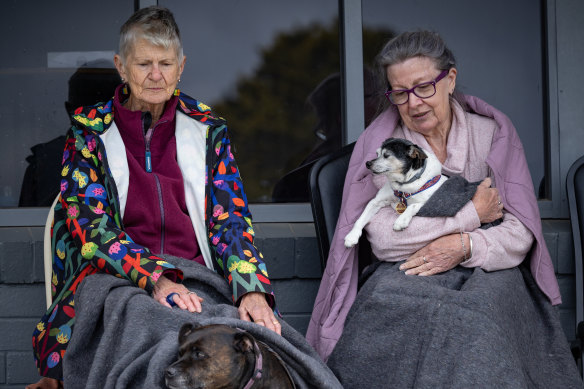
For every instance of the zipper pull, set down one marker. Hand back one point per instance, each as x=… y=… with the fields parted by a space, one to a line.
x=148 y=162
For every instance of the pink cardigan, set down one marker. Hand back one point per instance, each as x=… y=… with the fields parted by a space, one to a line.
x=338 y=286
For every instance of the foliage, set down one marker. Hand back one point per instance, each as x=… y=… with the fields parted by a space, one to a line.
x=270 y=121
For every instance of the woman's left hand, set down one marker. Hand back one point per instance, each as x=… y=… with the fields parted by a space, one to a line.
x=439 y=256
x=254 y=307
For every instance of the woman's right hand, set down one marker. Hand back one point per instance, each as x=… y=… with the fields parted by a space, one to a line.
x=487 y=202
x=183 y=298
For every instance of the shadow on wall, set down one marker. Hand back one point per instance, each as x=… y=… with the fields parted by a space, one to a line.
x=325 y=99
x=91 y=83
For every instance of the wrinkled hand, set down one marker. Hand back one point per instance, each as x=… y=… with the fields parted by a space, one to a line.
x=487 y=202
x=185 y=299
x=439 y=256
x=254 y=307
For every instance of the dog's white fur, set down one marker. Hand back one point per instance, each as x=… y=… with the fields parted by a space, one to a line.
x=391 y=166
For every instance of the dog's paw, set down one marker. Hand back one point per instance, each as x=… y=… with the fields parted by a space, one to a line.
x=401 y=223
x=352 y=238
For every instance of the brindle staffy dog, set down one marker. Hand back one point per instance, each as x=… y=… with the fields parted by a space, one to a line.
x=219 y=356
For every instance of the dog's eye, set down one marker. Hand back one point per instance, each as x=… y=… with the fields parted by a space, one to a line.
x=386 y=154
x=198 y=354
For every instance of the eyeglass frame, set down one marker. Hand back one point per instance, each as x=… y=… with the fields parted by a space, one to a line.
x=443 y=74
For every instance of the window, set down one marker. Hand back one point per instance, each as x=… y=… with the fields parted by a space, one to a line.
x=47 y=53
x=272 y=70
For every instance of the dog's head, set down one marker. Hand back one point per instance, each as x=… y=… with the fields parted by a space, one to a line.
x=214 y=356
x=396 y=157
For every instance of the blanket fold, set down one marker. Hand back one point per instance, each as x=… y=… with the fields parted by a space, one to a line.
x=125 y=339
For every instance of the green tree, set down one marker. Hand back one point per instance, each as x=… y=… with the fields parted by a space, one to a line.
x=269 y=118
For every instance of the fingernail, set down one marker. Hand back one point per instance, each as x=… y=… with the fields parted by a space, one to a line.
x=401 y=267
x=408 y=272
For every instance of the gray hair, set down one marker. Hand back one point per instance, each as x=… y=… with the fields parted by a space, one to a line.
x=156 y=25
x=413 y=44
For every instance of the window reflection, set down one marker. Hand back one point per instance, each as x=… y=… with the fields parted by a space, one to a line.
x=272 y=69
x=36 y=66
x=256 y=64
x=91 y=83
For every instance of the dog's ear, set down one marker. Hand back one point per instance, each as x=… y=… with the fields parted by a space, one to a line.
x=185 y=331
x=417 y=155
x=242 y=342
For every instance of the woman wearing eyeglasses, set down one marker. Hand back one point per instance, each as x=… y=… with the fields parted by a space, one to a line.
x=449 y=304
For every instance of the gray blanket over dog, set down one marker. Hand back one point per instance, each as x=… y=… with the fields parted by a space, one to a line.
x=459 y=329
x=125 y=339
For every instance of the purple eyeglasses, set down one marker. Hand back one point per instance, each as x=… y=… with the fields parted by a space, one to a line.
x=423 y=91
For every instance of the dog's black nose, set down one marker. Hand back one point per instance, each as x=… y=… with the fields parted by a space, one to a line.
x=368 y=164
x=170 y=372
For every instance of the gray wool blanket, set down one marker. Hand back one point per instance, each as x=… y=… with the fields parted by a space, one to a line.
x=124 y=339
x=449 y=198
x=463 y=328
x=460 y=329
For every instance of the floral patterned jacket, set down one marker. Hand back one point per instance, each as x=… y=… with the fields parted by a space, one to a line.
x=88 y=234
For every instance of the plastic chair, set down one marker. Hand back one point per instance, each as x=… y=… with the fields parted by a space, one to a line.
x=48 y=253
x=326 y=180
x=575 y=189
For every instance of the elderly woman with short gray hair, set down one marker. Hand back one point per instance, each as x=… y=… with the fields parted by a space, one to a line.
x=149 y=174
x=449 y=304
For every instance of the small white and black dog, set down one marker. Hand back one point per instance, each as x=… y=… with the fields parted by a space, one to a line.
x=413 y=175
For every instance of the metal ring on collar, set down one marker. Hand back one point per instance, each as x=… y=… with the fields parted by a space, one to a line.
x=425 y=260
x=170 y=300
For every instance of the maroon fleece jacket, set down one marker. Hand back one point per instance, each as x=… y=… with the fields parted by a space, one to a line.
x=156 y=214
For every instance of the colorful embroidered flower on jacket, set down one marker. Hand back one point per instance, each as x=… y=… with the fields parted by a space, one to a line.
x=64 y=334
x=221 y=248
x=86 y=153
x=88 y=250
x=53 y=360
x=217 y=210
x=203 y=107
x=73 y=211
x=91 y=144
x=117 y=251
x=80 y=177
x=245 y=267
x=97 y=210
